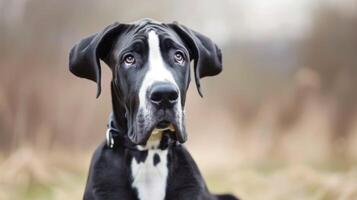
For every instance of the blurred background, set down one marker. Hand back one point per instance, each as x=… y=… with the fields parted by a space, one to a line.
x=280 y=122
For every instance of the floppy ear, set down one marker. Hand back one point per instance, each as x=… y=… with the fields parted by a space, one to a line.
x=84 y=56
x=205 y=53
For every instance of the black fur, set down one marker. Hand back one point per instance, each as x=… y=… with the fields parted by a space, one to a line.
x=110 y=176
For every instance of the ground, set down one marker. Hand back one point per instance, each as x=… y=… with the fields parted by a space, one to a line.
x=34 y=176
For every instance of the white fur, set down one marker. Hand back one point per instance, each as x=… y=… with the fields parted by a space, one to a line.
x=157 y=72
x=149 y=179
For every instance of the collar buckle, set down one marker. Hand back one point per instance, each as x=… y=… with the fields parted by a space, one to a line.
x=109 y=138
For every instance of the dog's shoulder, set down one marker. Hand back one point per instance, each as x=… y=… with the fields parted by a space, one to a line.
x=106 y=161
x=184 y=175
x=180 y=156
x=106 y=168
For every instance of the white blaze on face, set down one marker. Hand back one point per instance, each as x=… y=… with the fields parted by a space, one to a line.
x=157 y=72
x=150 y=179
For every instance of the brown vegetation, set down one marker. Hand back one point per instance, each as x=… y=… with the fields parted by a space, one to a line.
x=273 y=132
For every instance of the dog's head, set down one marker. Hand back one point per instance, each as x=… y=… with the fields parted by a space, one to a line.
x=150 y=62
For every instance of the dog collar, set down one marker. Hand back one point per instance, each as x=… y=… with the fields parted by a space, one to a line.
x=109 y=133
x=114 y=137
x=109 y=138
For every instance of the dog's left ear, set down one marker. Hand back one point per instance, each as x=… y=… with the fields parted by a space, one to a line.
x=84 y=56
x=205 y=53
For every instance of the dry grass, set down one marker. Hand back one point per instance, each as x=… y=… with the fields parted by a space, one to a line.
x=262 y=132
x=33 y=175
x=27 y=174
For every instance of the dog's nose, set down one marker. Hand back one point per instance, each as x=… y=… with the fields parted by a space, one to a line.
x=164 y=95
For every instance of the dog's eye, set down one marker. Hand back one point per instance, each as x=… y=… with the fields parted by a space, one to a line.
x=129 y=59
x=179 y=58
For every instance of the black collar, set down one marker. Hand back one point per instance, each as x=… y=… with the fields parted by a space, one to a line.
x=116 y=137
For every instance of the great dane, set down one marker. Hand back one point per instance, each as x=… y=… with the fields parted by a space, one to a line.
x=143 y=157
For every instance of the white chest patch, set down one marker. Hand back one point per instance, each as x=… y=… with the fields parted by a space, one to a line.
x=150 y=176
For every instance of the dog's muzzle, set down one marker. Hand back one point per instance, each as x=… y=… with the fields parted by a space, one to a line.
x=162 y=112
x=163 y=96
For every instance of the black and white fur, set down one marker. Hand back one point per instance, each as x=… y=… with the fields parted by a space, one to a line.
x=150 y=62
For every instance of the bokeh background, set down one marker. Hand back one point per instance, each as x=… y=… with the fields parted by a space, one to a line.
x=280 y=122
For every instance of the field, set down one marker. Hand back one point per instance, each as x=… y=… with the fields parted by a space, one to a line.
x=37 y=176
x=279 y=122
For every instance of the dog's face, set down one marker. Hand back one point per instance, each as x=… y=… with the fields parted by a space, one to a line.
x=151 y=71
x=150 y=62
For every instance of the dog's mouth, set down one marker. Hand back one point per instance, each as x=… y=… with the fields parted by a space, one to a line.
x=164 y=125
x=170 y=128
x=167 y=123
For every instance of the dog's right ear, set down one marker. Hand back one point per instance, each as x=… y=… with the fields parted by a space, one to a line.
x=84 y=56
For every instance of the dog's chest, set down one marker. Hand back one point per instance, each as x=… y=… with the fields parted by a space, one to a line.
x=150 y=175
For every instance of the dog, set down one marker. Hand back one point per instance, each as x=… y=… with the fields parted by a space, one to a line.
x=143 y=156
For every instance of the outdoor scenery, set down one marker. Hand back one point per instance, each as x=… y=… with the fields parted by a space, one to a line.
x=279 y=123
